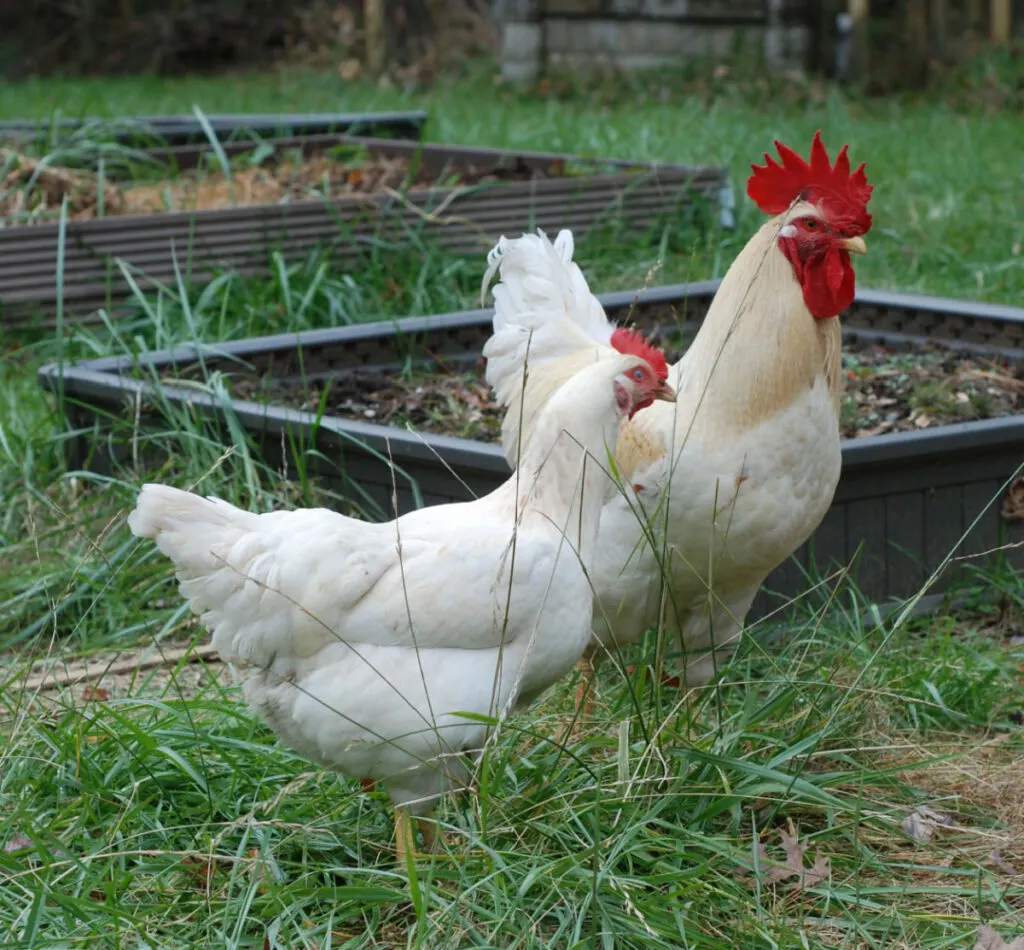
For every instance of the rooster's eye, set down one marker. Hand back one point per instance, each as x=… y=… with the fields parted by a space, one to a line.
x=811 y=224
x=638 y=373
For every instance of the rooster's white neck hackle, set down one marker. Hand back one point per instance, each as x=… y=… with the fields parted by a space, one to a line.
x=760 y=348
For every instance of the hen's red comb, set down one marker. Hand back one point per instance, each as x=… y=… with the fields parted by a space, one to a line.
x=632 y=342
x=841 y=195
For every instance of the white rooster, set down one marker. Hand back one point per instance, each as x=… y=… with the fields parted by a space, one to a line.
x=736 y=475
x=367 y=641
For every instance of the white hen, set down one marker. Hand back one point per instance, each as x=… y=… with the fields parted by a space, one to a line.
x=367 y=641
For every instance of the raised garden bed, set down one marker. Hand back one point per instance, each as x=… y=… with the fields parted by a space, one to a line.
x=905 y=497
x=172 y=130
x=462 y=199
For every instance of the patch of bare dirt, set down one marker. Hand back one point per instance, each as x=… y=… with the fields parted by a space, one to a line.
x=31 y=190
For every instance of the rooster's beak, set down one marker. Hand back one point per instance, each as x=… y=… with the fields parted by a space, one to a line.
x=854 y=245
x=664 y=392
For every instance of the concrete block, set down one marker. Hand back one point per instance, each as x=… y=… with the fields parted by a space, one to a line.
x=520 y=42
x=647 y=38
x=590 y=64
x=665 y=9
x=644 y=61
x=524 y=71
x=556 y=36
x=516 y=11
x=572 y=7
x=583 y=36
x=745 y=10
x=786 y=47
x=627 y=7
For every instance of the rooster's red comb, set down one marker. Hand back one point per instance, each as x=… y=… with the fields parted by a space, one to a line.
x=632 y=343
x=841 y=195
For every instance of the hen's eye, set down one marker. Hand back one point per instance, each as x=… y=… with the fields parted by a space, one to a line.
x=811 y=224
x=638 y=373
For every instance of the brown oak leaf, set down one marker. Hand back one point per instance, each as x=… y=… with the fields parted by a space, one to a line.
x=793 y=867
x=922 y=822
x=989 y=939
x=997 y=861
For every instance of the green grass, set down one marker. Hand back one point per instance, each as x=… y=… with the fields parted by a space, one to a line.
x=165 y=815
x=948 y=201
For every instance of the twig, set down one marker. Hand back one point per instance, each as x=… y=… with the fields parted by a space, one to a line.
x=56 y=679
x=434 y=217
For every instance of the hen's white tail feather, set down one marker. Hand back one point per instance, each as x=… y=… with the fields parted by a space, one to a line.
x=543 y=312
x=234 y=571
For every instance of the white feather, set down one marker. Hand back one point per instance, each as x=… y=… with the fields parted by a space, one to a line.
x=544 y=313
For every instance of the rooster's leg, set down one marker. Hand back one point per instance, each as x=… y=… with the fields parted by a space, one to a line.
x=428 y=829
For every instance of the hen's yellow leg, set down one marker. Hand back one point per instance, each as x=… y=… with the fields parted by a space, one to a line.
x=405 y=836
x=583 y=705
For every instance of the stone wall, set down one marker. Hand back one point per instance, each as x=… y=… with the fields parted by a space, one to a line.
x=632 y=34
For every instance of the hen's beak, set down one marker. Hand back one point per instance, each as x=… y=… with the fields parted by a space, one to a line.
x=664 y=392
x=854 y=245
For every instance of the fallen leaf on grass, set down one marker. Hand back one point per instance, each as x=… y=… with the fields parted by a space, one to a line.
x=988 y=939
x=997 y=861
x=793 y=866
x=17 y=842
x=923 y=821
x=199 y=868
x=349 y=69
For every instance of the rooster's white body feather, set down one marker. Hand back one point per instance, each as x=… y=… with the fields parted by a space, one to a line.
x=731 y=479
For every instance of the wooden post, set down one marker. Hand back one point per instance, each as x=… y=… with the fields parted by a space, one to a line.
x=974 y=17
x=376 y=43
x=917 y=40
x=1000 y=22
x=937 y=16
x=860 y=12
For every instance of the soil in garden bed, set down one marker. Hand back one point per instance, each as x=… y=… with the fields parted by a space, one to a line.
x=32 y=190
x=886 y=391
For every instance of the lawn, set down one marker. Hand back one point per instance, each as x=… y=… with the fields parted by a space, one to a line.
x=152 y=810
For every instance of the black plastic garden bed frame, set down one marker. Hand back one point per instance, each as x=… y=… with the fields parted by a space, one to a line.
x=550 y=191
x=903 y=503
x=174 y=130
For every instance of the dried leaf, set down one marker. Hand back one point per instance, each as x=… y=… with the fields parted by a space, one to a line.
x=997 y=861
x=793 y=867
x=95 y=694
x=818 y=872
x=17 y=842
x=794 y=853
x=988 y=939
x=350 y=69
x=922 y=822
x=199 y=868
x=1013 y=500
